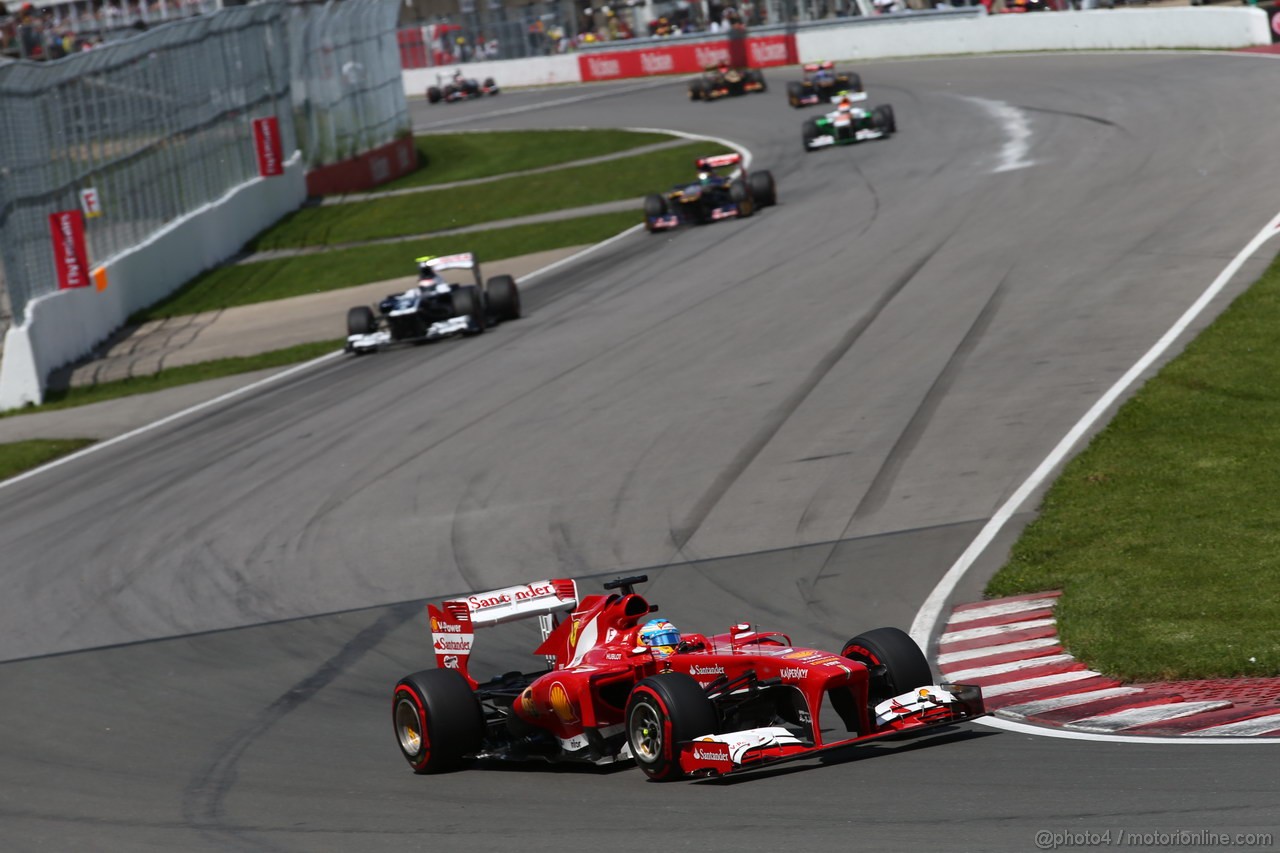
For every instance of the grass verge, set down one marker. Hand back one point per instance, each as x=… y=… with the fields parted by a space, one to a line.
x=502 y=199
x=1162 y=533
x=466 y=156
x=247 y=284
x=172 y=378
x=20 y=456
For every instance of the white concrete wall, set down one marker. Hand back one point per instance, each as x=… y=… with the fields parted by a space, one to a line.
x=871 y=38
x=64 y=326
x=1102 y=29
x=535 y=71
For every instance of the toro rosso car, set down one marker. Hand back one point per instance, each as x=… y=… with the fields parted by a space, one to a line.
x=848 y=123
x=617 y=687
x=460 y=88
x=434 y=308
x=721 y=81
x=712 y=196
x=821 y=82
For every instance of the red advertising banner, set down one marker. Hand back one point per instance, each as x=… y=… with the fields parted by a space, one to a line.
x=70 y=255
x=266 y=139
x=753 y=51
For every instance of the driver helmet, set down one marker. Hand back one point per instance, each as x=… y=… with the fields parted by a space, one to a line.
x=426 y=273
x=845 y=105
x=705 y=175
x=660 y=636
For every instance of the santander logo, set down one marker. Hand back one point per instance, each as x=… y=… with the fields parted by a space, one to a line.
x=701 y=753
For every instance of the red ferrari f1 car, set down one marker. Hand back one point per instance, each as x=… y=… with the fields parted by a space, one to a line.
x=615 y=689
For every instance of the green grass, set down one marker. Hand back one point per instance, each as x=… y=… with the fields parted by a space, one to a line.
x=20 y=456
x=465 y=156
x=1162 y=534
x=172 y=378
x=438 y=210
x=247 y=284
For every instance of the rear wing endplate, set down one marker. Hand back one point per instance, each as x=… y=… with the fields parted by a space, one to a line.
x=453 y=623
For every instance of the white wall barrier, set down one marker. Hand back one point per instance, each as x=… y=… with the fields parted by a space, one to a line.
x=534 y=71
x=1102 y=29
x=883 y=38
x=66 y=325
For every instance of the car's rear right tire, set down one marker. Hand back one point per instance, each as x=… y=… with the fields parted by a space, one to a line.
x=697 y=90
x=809 y=133
x=504 y=298
x=741 y=196
x=662 y=711
x=437 y=720
x=360 y=321
x=855 y=82
x=897 y=664
x=763 y=189
x=468 y=301
x=795 y=91
x=884 y=120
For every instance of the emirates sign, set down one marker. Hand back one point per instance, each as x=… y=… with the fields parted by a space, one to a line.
x=70 y=255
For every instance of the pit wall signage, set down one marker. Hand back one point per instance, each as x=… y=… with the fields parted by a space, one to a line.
x=753 y=52
x=70 y=254
x=266 y=143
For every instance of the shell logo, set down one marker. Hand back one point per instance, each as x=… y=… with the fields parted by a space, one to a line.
x=573 y=632
x=561 y=704
x=435 y=625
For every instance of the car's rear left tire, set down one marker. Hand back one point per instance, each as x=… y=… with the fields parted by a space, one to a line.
x=897 y=664
x=755 y=75
x=434 y=95
x=809 y=132
x=697 y=90
x=437 y=720
x=504 y=298
x=855 y=82
x=884 y=119
x=664 y=710
x=360 y=321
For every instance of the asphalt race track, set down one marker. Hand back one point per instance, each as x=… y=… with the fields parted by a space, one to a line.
x=800 y=419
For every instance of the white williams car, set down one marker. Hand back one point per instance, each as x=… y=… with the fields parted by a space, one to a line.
x=435 y=307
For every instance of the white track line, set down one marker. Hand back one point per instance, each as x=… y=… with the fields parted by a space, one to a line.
x=992 y=631
x=1256 y=725
x=1039 y=706
x=962 y=675
x=927 y=618
x=987 y=651
x=1068 y=734
x=1004 y=608
x=1037 y=683
x=1141 y=716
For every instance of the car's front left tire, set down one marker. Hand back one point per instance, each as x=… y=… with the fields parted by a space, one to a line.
x=663 y=711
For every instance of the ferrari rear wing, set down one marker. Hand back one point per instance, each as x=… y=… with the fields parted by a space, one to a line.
x=454 y=621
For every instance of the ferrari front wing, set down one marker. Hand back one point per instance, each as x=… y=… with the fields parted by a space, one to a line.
x=920 y=709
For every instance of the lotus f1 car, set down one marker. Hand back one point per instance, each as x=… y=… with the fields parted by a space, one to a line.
x=460 y=88
x=712 y=196
x=720 y=81
x=434 y=308
x=821 y=82
x=848 y=124
x=706 y=706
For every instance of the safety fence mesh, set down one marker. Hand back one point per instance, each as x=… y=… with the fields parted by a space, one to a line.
x=160 y=124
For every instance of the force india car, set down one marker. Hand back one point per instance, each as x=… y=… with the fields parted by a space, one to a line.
x=711 y=197
x=721 y=81
x=711 y=706
x=460 y=88
x=821 y=82
x=434 y=308
x=848 y=124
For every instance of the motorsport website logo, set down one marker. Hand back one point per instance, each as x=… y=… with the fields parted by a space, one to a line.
x=1046 y=840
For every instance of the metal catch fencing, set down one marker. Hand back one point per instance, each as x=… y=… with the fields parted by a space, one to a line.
x=347 y=91
x=158 y=125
